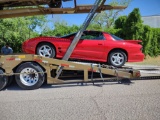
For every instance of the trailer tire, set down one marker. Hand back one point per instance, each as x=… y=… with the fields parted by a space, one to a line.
x=32 y=76
x=10 y=80
x=1 y=8
x=3 y=80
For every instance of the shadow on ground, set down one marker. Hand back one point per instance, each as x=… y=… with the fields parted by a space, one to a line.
x=13 y=86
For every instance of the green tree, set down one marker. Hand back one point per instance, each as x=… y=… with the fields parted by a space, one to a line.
x=60 y=28
x=106 y=19
x=134 y=26
x=113 y=31
x=120 y=25
x=155 y=42
x=15 y=31
x=94 y=27
x=120 y=22
x=147 y=40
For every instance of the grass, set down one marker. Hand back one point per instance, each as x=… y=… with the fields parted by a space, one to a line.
x=149 y=61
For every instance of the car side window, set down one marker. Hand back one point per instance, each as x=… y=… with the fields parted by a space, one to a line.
x=89 y=37
x=92 y=36
x=100 y=37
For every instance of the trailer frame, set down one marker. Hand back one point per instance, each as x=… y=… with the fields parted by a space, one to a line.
x=9 y=64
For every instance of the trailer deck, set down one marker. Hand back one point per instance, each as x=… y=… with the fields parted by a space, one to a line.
x=31 y=68
x=31 y=71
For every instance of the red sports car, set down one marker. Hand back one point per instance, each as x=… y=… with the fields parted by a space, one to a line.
x=95 y=46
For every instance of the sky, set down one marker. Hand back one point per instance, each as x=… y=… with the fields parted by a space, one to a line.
x=146 y=7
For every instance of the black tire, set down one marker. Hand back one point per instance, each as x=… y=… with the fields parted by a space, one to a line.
x=55 y=3
x=1 y=8
x=30 y=81
x=51 y=51
x=10 y=80
x=120 y=61
x=3 y=80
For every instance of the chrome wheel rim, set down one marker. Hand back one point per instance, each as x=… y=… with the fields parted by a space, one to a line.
x=45 y=51
x=117 y=58
x=29 y=76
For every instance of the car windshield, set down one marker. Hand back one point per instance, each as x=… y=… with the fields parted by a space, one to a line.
x=68 y=36
x=115 y=37
x=89 y=35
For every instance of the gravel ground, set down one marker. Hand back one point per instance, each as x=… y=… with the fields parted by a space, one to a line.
x=138 y=101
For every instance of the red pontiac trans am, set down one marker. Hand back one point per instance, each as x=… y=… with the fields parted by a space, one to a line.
x=94 y=46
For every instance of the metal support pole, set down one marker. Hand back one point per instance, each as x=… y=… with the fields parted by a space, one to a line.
x=79 y=34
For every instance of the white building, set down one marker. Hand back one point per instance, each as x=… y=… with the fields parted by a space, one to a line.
x=152 y=21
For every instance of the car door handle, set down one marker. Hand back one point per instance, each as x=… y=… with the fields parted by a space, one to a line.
x=99 y=43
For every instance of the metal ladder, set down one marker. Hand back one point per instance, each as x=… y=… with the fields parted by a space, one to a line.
x=79 y=34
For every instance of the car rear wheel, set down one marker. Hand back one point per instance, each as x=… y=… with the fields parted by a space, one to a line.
x=117 y=58
x=31 y=76
x=46 y=50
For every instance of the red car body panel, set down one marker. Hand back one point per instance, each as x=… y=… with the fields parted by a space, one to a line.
x=87 y=49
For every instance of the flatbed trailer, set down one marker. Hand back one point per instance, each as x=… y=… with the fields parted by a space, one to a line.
x=30 y=71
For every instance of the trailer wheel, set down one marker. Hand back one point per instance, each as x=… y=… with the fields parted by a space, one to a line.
x=31 y=76
x=3 y=80
x=46 y=50
x=117 y=58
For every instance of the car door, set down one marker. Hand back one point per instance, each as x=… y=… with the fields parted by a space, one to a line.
x=91 y=46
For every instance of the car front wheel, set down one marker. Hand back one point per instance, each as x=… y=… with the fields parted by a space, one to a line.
x=117 y=58
x=46 y=50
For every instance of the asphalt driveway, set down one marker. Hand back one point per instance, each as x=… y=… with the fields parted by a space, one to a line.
x=138 y=101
